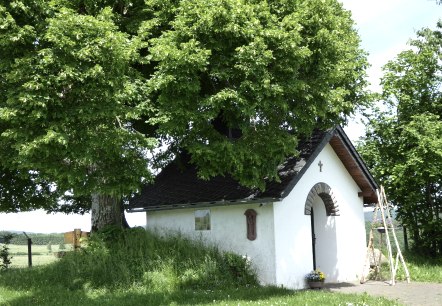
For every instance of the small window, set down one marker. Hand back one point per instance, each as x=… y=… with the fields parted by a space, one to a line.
x=202 y=220
x=251 y=223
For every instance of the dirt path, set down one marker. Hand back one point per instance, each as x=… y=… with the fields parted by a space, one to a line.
x=422 y=294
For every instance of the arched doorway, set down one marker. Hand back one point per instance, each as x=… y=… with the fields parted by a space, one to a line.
x=322 y=207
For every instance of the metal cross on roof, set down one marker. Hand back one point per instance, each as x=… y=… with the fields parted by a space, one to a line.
x=320 y=164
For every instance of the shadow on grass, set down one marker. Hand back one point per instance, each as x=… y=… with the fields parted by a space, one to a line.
x=39 y=286
x=243 y=296
x=34 y=287
x=64 y=296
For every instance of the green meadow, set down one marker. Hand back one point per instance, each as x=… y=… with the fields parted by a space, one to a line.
x=135 y=267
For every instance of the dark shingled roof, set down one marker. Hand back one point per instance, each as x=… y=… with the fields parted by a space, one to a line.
x=178 y=187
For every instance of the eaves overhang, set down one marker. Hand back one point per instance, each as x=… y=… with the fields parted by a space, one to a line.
x=204 y=204
x=354 y=164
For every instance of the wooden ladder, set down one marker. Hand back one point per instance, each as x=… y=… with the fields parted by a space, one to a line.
x=384 y=207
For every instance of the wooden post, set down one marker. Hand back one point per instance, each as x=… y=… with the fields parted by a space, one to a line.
x=74 y=237
x=77 y=236
x=400 y=256
x=383 y=207
x=390 y=253
x=29 y=250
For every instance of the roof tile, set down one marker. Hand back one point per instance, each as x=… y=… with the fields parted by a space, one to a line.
x=180 y=185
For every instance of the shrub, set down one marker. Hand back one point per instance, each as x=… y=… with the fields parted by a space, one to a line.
x=4 y=252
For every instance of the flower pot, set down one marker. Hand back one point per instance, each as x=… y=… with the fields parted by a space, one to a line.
x=381 y=229
x=315 y=284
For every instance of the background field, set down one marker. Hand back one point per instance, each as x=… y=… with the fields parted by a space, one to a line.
x=40 y=254
x=44 y=248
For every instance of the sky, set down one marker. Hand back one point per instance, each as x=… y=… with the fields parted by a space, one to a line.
x=385 y=26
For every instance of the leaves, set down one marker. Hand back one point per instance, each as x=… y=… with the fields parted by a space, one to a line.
x=268 y=72
x=68 y=119
x=89 y=89
x=403 y=143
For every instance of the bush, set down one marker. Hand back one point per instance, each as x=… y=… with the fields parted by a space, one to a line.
x=4 y=252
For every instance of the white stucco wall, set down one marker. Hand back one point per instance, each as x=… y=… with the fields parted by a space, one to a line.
x=340 y=244
x=228 y=231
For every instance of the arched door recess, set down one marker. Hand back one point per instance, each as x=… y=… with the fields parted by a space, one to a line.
x=325 y=192
x=321 y=206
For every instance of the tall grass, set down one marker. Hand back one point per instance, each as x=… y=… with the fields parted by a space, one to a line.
x=135 y=267
x=115 y=258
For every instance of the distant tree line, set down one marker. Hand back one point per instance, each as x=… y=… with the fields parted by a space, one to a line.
x=37 y=239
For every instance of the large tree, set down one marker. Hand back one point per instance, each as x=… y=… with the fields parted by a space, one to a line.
x=403 y=144
x=273 y=70
x=68 y=94
x=89 y=88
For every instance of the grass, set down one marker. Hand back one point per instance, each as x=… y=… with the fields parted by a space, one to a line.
x=420 y=268
x=380 y=240
x=40 y=255
x=139 y=268
x=46 y=292
x=139 y=295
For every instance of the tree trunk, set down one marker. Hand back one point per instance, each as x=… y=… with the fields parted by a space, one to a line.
x=106 y=210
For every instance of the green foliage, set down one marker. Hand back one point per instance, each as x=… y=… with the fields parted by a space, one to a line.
x=24 y=191
x=75 y=105
x=4 y=252
x=112 y=80
x=67 y=120
x=271 y=70
x=403 y=146
x=89 y=88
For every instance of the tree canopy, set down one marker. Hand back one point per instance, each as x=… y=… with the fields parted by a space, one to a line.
x=88 y=89
x=69 y=92
x=403 y=144
x=274 y=71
